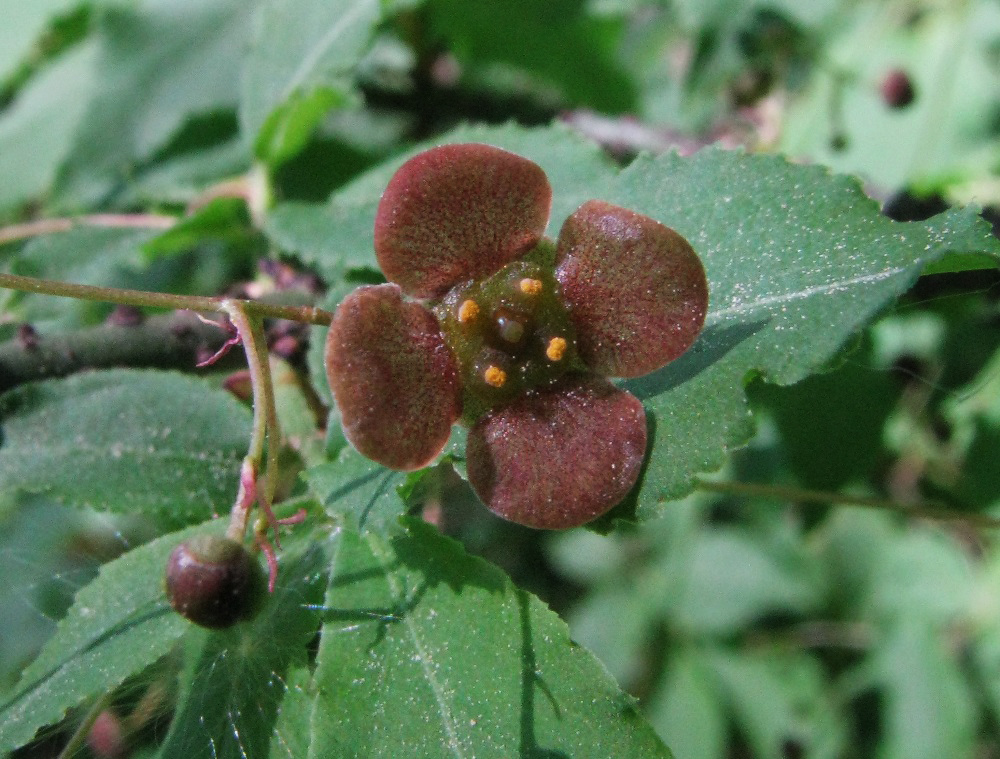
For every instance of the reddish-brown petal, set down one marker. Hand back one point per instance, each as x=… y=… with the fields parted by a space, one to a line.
x=458 y=212
x=635 y=289
x=559 y=457
x=393 y=377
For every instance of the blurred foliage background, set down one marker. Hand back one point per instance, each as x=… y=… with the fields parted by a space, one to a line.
x=775 y=623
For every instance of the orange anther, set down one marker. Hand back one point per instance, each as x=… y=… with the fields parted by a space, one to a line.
x=468 y=311
x=556 y=349
x=495 y=376
x=530 y=286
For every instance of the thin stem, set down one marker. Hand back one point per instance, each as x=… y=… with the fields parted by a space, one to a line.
x=143 y=298
x=260 y=381
x=266 y=399
x=937 y=512
x=16 y=232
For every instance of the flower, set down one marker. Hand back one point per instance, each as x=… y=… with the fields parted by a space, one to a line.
x=486 y=322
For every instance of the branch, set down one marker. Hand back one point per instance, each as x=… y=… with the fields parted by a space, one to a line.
x=50 y=226
x=166 y=341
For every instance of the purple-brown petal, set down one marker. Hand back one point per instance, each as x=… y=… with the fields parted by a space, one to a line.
x=635 y=289
x=394 y=379
x=458 y=212
x=559 y=457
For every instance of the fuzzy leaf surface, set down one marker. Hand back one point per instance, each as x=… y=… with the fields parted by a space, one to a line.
x=125 y=441
x=797 y=259
x=414 y=626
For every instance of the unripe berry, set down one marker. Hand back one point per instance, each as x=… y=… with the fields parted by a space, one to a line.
x=214 y=582
x=897 y=89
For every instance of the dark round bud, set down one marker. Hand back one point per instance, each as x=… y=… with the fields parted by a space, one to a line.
x=897 y=89
x=214 y=582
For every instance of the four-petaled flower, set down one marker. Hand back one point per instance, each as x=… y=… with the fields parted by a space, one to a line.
x=487 y=322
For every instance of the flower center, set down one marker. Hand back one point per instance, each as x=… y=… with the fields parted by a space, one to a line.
x=510 y=333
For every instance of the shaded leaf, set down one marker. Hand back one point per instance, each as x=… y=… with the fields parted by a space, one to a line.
x=83 y=255
x=558 y=42
x=489 y=670
x=36 y=131
x=357 y=489
x=298 y=67
x=235 y=680
x=842 y=411
x=125 y=441
x=732 y=581
x=118 y=625
x=22 y=24
x=159 y=64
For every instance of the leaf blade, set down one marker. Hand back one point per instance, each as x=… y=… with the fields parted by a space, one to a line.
x=491 y=670
x=165 y=429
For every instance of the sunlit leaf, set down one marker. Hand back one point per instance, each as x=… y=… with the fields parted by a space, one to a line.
x=488 y=668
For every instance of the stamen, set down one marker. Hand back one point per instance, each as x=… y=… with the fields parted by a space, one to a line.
x=468 y=311
x=495 y=376
x=556 y=349
x=530 y=286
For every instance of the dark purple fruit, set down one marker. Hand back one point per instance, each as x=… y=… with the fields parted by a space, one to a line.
x=897 y=89
x=214 y=582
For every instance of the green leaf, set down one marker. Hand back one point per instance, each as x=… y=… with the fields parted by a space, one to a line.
x=287 y=130
x=429 y=652
x=23 y=23
x=118 y=625
x=158 y=66
x=780 y=702
x=929 y=710
x=291 y=734
x=357 y=489
x=732 y=581
x=688 y=712
x=797 y=261
x=299 y=66
x=223 y=220
x=36 y=131
x=125 y=441
x=558 y=42
x=236 y=677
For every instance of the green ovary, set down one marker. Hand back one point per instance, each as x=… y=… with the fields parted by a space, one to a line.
x=510 y=333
